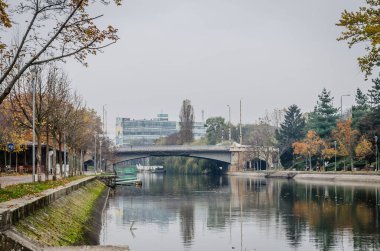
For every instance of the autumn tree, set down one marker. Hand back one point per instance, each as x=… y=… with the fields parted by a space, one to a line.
x=363 y=26
x=186 y=123
x=54 y=30
x=21 y=100
x=364 y=148
x=345 y=136
x=58 y=97
x=4 y=17
x=309 y=147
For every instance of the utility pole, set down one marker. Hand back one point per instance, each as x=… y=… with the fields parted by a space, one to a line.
x=104 y=121
x=341 y=105
x=241 y=135
x=229 y=122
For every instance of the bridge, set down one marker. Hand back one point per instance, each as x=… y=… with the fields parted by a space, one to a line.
x=238 y=157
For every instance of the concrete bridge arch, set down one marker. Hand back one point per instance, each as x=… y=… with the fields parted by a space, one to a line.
x=237 y=156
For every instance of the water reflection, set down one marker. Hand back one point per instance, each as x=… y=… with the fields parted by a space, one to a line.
x=224 y=213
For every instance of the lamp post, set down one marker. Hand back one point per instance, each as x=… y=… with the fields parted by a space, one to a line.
x=229 y=122
x=104 y=120
x=34 y=70
x=341 y=104
x=95 y=154
x=100 y=154
x=241 y=136
x=335 y=153
x=377 y=161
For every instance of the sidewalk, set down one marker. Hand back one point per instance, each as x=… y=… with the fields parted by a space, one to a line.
x=12 y=180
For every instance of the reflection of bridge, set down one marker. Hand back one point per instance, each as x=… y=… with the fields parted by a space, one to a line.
x=237 y=156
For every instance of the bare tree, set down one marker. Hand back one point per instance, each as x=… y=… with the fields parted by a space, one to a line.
x=57 y=99
x=22 y=106
x=55 y=30
x=186 y=123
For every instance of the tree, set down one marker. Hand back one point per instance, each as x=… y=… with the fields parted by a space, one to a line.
x=374 y=94
x=186 y=117
x=291 y=130
x=22 y=106
x=323 y=118
x=360 y=109
x=345 y=136
x=363 y=26
x=55 y=30
x=309 y=147
x=364 y=148
x=4 y=18
x=216 y=130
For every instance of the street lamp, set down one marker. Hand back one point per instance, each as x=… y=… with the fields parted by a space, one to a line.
x=104 y=120
x=229 y=122
x=100 y=154
x=341 y=104
x=241 y=136
x=335 y=153
x=377 y=161
x=95 y=155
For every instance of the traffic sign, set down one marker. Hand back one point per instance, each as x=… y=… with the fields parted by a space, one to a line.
x=11 y=147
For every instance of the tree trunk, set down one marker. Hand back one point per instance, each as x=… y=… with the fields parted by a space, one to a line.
x=310 y=162
x=81 y=162
x=60 y=153
x=54 y=162
x=38 y=157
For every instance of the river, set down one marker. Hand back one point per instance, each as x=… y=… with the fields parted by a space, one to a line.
x=234 y=213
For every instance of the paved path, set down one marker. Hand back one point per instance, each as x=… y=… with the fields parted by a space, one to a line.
x=12 y=180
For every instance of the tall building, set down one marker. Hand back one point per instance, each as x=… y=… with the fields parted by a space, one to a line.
x=145 y=132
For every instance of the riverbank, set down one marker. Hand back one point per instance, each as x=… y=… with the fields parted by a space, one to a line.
x=64 y=216
x=346 y=177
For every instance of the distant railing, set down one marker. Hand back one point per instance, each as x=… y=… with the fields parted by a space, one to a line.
x=173 y=148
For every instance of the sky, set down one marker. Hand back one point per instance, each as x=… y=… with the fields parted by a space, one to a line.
x=269 y=54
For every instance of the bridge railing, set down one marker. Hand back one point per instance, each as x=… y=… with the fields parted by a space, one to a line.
x=171 y=148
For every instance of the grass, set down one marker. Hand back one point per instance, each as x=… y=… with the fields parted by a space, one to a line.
x=64 y=222
x=21 y=190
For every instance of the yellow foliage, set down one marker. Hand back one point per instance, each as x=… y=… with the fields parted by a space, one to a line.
x=364 y=148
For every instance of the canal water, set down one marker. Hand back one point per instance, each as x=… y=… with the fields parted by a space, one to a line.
x=233 y=213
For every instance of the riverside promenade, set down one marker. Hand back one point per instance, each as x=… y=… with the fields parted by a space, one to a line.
x=16 y=179
x=367 y=178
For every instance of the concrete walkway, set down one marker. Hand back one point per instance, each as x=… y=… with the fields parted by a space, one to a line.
x=17 y=179
x=12 y=180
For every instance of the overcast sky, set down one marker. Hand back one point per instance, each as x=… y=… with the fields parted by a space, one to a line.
x=270 y=54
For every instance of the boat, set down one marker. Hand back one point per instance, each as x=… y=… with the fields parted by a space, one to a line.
x=150 y=169
x=127 y=175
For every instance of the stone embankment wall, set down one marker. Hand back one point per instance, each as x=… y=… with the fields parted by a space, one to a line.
x=63 y=216
x=343 y=178
x=63 y=223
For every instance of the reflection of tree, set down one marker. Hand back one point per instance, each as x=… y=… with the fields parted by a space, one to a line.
x=322 y=210
x=186 y=214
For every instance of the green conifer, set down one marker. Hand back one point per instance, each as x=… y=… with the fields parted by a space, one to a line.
x=324 y=117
